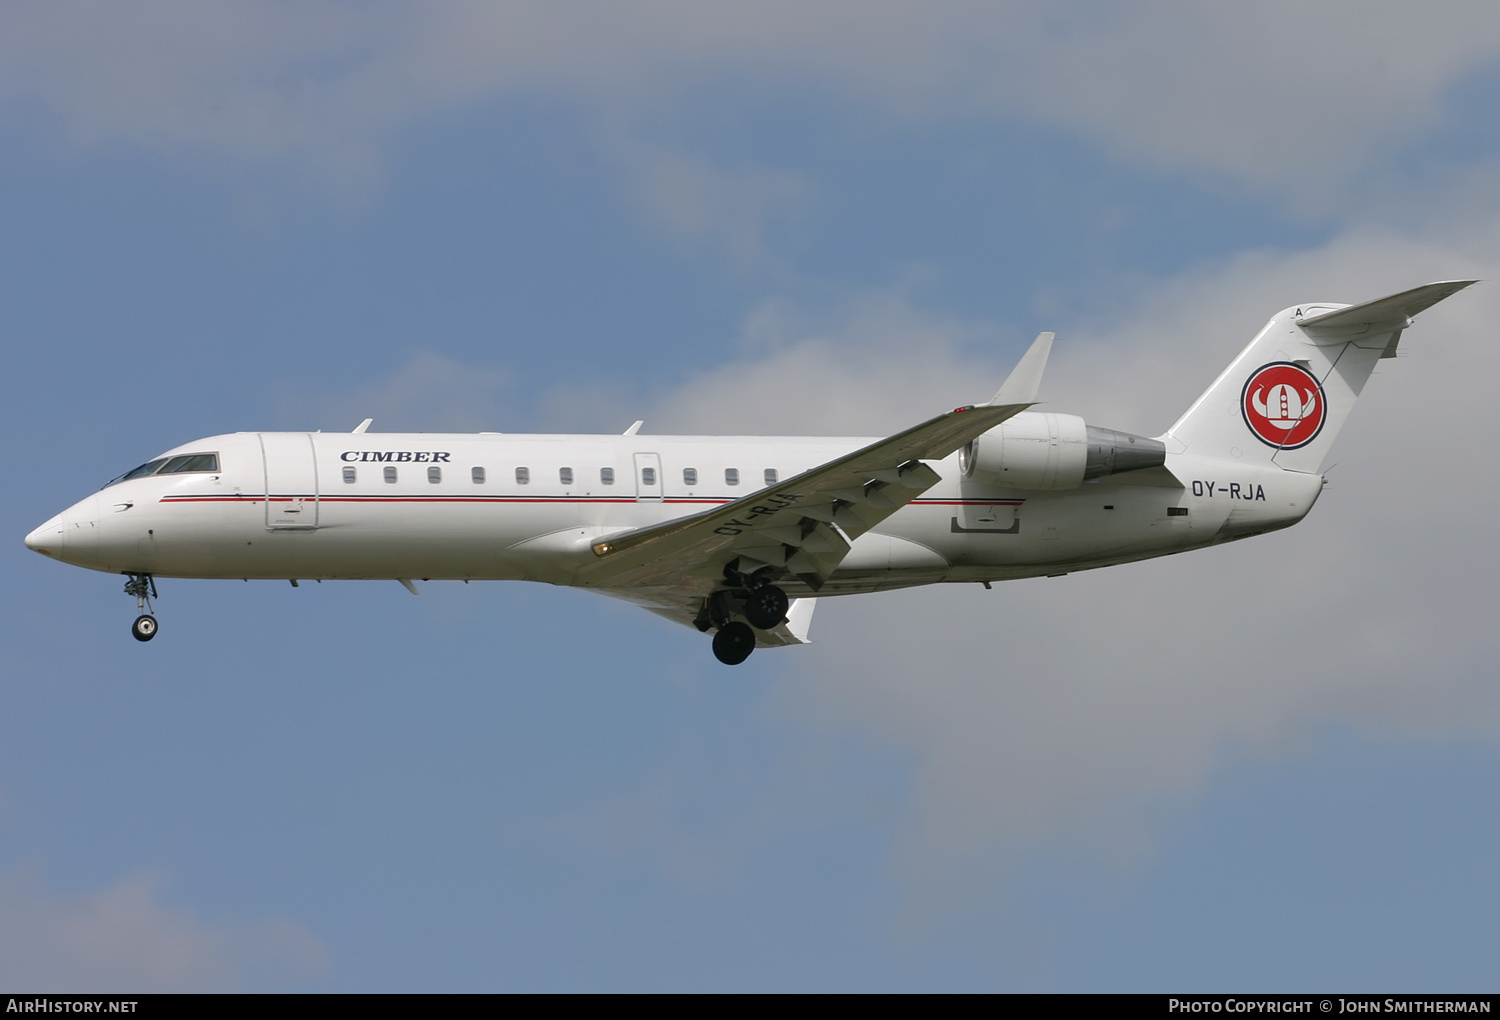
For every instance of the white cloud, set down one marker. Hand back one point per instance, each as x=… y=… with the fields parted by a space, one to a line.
x=876 y=364
x=700 y=204
x=124 y=939
x=1283 y=94
x=1280 y=94
x=430 y=393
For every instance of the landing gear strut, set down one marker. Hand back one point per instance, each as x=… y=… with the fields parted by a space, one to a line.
x=143 y=587
x=733 y=643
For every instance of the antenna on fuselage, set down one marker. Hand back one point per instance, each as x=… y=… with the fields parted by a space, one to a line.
x=633 y=429
x=359 y=429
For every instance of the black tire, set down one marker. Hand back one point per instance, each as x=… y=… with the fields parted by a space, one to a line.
x=766 y=606
x=144 y=628
x=733 y=643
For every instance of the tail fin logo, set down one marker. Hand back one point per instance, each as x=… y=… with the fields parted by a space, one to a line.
x=1284 y=405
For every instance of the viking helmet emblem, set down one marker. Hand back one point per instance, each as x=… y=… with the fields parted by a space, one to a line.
x=1284 y=406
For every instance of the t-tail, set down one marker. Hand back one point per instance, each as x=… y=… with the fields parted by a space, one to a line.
x=1284 y=399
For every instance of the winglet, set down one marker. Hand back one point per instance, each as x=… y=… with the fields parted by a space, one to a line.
x=359 y=429
x=1026 y=378
x=633 y=429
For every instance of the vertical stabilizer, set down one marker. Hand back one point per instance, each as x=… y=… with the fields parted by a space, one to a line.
x=1284 y=399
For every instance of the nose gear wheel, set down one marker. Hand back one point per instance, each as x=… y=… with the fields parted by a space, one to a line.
x=143 y=587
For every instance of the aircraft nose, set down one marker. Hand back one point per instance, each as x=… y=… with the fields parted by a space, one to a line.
x=72 y=533
x=48 y=539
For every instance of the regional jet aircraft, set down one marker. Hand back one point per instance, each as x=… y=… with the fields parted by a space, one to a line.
x=739 y=535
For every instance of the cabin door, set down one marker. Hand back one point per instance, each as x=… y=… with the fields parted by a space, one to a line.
x=291 y=481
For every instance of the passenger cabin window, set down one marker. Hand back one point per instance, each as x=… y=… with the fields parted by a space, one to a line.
x=390 y=474
x=607 y=476
x=477 y=474
x=434 y=474
x=731 y=476
x=523 y=476
x=565 y=475
x=648 y=476
x=770 y=476
x=689 y=476
x=349 y=475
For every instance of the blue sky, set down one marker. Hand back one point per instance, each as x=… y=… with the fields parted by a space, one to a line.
x=1268 y=765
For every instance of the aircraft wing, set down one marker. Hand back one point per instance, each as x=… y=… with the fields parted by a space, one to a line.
x=805 y=524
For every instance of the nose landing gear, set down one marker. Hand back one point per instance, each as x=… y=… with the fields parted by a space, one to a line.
x=143 y=587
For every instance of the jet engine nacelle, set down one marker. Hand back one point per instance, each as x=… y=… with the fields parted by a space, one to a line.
x=1036 y=450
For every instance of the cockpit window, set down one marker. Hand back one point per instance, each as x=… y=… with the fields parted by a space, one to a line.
x=142 y=471
x=171 y=466
x=191 y=462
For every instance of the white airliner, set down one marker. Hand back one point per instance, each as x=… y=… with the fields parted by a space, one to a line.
x=740 y=534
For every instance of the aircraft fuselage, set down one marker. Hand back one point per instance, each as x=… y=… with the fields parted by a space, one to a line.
x=526 y=507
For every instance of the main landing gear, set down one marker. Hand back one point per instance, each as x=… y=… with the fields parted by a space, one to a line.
x=143 y=587
x=763 y=604
x=733 y=643
x=766 y=606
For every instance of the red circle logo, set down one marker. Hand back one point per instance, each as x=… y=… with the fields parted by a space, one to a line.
x=1284 y=405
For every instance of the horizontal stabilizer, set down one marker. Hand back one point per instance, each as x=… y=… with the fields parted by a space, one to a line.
x=1382 y=314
